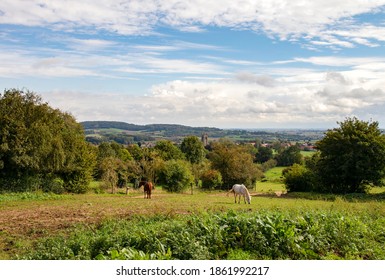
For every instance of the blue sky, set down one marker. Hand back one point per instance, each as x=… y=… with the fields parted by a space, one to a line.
x=228 y=64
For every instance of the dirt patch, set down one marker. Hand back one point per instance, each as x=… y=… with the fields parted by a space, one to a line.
x=41 y=219
x=45 y=217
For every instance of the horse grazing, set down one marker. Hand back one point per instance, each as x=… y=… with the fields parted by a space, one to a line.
x=148 y=187
x=240 y=190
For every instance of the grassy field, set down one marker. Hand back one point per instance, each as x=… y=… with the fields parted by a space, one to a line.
x=273 y=182
x=203 y=225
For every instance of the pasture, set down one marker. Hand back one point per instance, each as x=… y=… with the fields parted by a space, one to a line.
x=203 y=225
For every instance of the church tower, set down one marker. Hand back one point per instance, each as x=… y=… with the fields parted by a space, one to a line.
x=205 y=139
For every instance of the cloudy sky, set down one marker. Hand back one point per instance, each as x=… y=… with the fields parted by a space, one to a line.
x=222 y=63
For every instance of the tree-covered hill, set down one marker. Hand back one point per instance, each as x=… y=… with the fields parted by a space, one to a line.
x=171 y=129
x=125 y=133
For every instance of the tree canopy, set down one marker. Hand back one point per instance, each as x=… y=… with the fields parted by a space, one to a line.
x=40 y=144
x=193 y=149
x=352 y=157
x=234 y=162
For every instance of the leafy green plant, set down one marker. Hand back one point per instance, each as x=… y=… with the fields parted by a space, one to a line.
x=230 y=235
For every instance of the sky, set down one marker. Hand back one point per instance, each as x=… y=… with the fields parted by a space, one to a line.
x=217 y=63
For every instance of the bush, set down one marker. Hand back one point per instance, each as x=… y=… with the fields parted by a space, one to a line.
x=298 y=178
x=211 y=179
x=53 y=184
x=271 y=163
x=177 y=176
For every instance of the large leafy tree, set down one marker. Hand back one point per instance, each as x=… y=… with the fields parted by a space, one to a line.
x=39 y=143
x=177 y=175
x=352 y=157
x=264 y=154
x=289 y=156
x=167 y=150
x=234 y=162
x=193 y=149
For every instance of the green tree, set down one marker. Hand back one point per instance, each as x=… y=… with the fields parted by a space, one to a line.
x=39 y=143
x=167 y=150
x=123 y=165
x=264 y=154
x=289 y=156
x=109 y=167
x=299 y=178
x=234 y=162
x=151 y=165
x=177 y=175
x=193 y=149
x=352 y=157
x=211 y=179
x=135 y=151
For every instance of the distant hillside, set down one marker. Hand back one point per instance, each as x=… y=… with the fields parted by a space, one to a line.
x=126 y=133
x=172 y=129
x=111 y=124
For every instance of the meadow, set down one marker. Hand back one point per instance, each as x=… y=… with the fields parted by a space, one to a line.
x=198 y=225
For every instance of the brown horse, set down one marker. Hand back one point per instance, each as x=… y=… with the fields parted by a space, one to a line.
x=148 y=187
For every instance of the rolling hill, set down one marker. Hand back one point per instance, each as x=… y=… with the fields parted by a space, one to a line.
x=127 y=133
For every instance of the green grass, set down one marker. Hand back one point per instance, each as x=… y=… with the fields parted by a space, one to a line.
x=308 y=153
x=273 y=181
x=32 y=196
x=206 y=225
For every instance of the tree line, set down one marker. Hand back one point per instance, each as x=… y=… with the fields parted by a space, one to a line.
x=42 y=148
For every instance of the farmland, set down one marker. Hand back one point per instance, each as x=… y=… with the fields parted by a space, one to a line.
x=202 y=225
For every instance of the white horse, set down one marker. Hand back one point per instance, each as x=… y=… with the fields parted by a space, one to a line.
x=241 y=190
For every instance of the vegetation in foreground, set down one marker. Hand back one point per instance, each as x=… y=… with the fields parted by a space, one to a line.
x=231 y=235
x=205 y=225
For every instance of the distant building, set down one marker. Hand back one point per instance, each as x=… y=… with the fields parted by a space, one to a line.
x=205 y=139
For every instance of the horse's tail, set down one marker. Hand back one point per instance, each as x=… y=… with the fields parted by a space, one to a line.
x=231 y=190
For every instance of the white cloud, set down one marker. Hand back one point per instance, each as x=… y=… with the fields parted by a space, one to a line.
x=338 y=61
x=320 y=22
x=21 y=63
x=236 y=102
x=89 y=44
x=94 y=57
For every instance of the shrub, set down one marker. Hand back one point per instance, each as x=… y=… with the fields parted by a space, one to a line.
x=177 y=175
x=298 y=178
x=211 y=179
